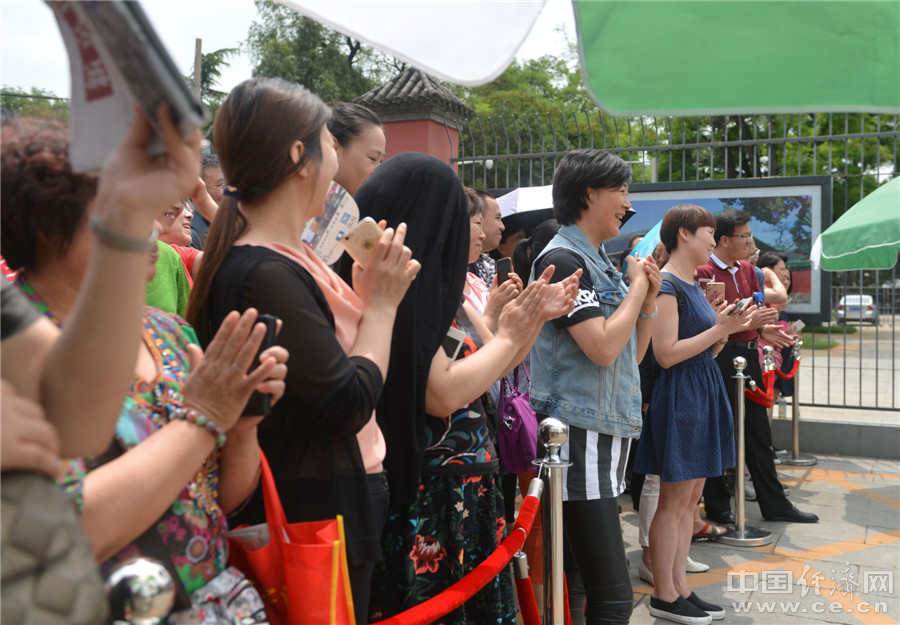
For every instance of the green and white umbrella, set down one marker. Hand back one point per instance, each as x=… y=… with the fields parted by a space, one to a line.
x=865 y=237
x=682 y=57
x=679 y=57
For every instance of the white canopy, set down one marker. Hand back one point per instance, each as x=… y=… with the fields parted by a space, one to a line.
x=467 y=43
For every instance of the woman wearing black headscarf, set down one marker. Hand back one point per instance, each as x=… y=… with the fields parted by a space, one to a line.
x=425 y=194
x=446 y=509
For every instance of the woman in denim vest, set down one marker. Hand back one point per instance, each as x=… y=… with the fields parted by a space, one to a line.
x=585 y=373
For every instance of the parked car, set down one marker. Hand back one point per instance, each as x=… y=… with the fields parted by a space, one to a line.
x=857 y=308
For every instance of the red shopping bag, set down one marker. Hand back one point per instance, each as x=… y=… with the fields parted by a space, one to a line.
x=300 y=569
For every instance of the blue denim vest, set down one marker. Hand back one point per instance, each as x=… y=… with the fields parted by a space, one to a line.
x=565 y=384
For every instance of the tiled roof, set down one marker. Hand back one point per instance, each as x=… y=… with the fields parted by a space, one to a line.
x=414 y=91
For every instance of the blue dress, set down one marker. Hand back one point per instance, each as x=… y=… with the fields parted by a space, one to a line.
x=689 y=429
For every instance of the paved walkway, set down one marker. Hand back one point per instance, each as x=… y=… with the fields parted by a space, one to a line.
x=843 y=569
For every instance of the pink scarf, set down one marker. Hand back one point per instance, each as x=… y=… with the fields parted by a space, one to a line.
x=345 y=304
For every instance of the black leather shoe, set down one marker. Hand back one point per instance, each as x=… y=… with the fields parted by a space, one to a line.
x=726 y=518
x=794 y=516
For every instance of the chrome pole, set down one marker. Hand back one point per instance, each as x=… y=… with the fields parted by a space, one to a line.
x=741 y=535
x=796 y=458
x=552 y=434
x=140 y=591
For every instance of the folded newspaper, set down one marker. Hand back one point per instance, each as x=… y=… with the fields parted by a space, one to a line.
x=116 y=58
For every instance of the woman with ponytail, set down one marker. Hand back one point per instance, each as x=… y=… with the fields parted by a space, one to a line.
x=321 y=440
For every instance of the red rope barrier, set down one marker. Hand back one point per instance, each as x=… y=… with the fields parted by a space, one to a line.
x=527 y=602
x=763 y=398
x=788 y=376
x=460 y=592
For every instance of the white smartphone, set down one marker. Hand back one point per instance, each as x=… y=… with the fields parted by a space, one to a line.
x=360 y=241
x=740 y=305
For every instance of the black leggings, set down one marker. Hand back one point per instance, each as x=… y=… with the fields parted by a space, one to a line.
x=361 y=574
x=596 y=568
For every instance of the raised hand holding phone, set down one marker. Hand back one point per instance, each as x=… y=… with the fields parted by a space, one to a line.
x=504 y=267
x=389 y=267
x=260 y=404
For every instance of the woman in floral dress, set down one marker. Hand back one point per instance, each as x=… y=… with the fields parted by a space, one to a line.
x=181 y=458
x=457 y=517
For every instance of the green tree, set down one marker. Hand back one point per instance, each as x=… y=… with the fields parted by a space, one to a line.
x=538 y=107
x=36 y=103
x=336 y=67
x=535 y=86
x=211 y=64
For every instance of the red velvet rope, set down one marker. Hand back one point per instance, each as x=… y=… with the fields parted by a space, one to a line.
x=462 y=591
x=788 y=376
x=763 y=398
x=527 y=602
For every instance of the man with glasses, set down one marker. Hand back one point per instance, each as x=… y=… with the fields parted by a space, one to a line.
x=734 y=240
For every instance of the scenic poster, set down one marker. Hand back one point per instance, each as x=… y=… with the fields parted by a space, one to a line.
x=787 y=216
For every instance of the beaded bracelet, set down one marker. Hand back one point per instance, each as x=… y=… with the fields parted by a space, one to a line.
x=122 y=241
x=192 y=416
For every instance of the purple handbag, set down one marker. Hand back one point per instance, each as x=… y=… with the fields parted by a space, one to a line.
x=516 y=425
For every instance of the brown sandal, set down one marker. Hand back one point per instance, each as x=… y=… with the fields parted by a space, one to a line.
x=708 y=532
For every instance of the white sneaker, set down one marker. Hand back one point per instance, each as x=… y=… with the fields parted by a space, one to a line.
x=749 y=491
x=644 y=573
x=696 y=567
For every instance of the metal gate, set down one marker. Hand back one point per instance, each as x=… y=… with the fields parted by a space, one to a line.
x=852 y=365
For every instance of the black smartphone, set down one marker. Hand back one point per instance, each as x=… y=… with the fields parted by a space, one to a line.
x=260 y=404
x=504 y=266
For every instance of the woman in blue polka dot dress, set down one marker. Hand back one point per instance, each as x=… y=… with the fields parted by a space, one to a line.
x=688 y=432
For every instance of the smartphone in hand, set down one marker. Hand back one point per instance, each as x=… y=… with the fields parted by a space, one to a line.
x=714 y=290
x=360 y=241
x=504 y=267
x=260 y=404
x=741 y=304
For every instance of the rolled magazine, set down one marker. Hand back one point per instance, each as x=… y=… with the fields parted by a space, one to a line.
x=116 y=58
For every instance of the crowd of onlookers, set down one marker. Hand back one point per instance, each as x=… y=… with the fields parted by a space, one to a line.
x=131 y=334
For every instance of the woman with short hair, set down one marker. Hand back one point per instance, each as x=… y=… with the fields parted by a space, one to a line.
x=688 y=432
x=584 y=371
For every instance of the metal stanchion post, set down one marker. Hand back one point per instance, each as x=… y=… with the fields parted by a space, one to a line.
x=796 y=458
x=552 y=434
x=741 y=535
x=520 y=565
x=140 y=591
x=768 y=359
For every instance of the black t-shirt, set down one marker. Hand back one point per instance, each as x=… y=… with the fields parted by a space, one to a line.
x=587 y=306
x=16 y=312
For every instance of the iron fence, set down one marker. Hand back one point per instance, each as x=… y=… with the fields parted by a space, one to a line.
x=846 y=366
